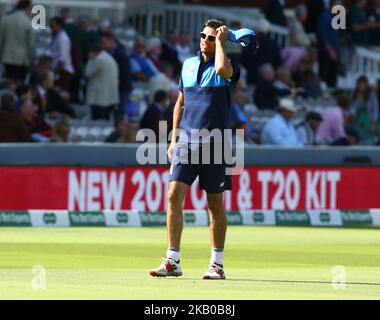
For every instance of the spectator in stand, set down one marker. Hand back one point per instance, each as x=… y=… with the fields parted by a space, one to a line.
x=12 y=125
x=39 y=130
x=142 y=67
x=315 y=8
x=334 y=120
x=103 y=83
x=169 y=52
x=291 y=56
x=359 y=24
x=266 y=94
x=164 y=81
x=160 y=110
x=17 y=42
x=79 y=49
x=274 y=12
x=154 y=50
x=104 y=26
x=352 y=138
x=365 y=109
x=374 y=34
x=328 y=47
x=310 y=84
x=61 y=132
x=269 y=52
x=22 y=92
x=45 y=63
x=124 y=132
x=305 y=77
x=92 y=33
x=78 y=38
x=108 y=41
x=240 y=120
x=307 y=130
x=297 y=35
x=184 y=47
x=279 y=130
x=284 y=81
x=61 y=52
x=47 y=99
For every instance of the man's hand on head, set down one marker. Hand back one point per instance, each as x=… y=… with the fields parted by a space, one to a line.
x=222 y=34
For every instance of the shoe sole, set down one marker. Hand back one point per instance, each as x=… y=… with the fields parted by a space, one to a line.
x=155 y=274
x=209 y=278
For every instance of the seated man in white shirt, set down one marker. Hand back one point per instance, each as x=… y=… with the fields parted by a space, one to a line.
x=280 y=130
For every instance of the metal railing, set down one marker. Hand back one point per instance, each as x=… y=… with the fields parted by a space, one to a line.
x=98 y=10
x=366 y=62
x=362 y=62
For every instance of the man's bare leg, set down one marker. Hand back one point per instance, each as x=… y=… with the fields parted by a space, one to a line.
x=174 y=219
x=218 y=220
x=170 y=265
x=218 y=229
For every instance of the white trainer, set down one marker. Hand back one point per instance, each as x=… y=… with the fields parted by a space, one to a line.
x=167 y=268
x=215 y=272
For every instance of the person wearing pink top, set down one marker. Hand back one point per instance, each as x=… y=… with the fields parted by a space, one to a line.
x=332 y=126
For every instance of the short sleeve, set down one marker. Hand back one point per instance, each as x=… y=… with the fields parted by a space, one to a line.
x=180 y=84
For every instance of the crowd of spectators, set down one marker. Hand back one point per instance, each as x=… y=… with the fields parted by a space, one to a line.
x=89 y=65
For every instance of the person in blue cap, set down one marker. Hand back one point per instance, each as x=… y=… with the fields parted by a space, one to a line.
x=204 y=102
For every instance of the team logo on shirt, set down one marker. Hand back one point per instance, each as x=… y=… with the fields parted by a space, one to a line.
x=191 y=70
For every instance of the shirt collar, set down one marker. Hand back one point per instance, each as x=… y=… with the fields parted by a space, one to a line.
x=199 y=55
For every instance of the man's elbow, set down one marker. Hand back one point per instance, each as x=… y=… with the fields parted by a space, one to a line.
x=224 y=72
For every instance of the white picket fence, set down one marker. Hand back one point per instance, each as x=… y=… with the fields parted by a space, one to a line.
x=113 y=10
x=158 y=19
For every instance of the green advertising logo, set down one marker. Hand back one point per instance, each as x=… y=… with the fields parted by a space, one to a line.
x=87 y=219
x=292 y=218
x=190 y=218
x=356 y=217
x=122 y=217
x=325 y=217
x=234 y=218
x=49 y=218
x=151 y=219
x=258 y=217
x=15 y=219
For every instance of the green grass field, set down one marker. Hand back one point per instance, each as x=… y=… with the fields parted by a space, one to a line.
x=260 y=263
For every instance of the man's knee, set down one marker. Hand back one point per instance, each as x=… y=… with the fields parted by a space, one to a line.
x=215 y=203
x=176 y=195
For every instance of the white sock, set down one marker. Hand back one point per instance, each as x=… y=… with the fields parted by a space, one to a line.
x=173 y=254
x=217 y=256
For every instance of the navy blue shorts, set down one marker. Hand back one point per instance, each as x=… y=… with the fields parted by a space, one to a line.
x=212 y=174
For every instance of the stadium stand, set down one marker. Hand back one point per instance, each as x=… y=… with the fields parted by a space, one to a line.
x=159 y=20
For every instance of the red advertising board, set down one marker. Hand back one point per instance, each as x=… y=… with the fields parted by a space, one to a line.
x=144 y=188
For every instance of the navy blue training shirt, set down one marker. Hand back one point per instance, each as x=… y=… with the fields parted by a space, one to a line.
x=207 y=96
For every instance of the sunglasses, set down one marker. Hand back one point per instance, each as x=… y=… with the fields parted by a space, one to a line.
x=209 y=37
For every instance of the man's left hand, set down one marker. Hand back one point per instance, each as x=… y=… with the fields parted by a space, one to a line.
x=222 y=34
